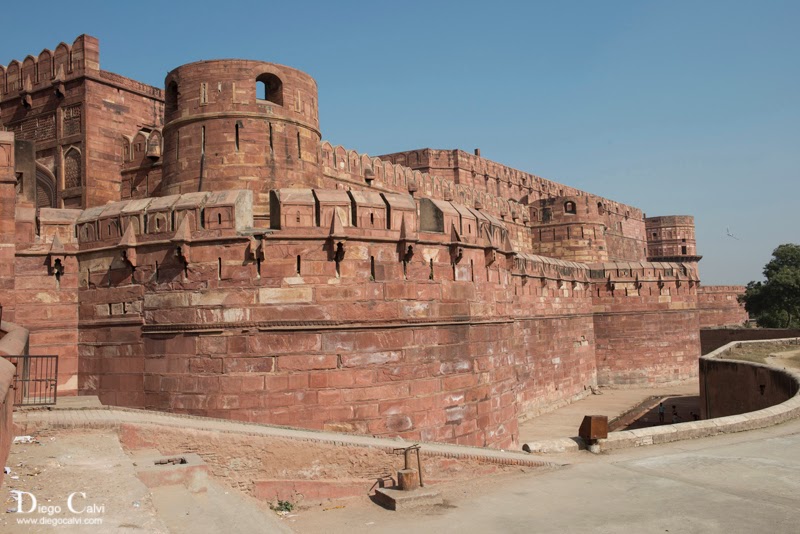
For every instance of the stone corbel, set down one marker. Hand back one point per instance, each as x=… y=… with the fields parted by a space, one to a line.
x=129 y=255
x=408 y=252
x=491 y=255
x=369 y=175
x=56 y=258
x=58 y=83
x=456 y=245
x=256 y=248
x=406 y=242
x=128 y=245
x=456 y=252
x=338 y=252
x=182 y=241
x=183 y=252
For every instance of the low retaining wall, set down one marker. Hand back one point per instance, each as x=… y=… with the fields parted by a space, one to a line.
x=14 y=342
x=713 y=338
x=726 y=386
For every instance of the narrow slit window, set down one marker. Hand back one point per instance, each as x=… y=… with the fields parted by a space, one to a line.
x=237 y=137
x=372 y=268
x=298 y=264
x=219 y=268
x=299 y=147
x=203 y=140
x=271 y=147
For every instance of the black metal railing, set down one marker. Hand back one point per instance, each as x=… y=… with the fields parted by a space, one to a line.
x=35 y=380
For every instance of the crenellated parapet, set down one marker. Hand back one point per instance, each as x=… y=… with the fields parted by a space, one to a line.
x=165 y=217
x=50 y=70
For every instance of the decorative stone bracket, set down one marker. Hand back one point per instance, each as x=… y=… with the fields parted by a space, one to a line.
x=256 y=248
x=56 y=258
x=182 y=240
x=128 y=244
x=456 y=246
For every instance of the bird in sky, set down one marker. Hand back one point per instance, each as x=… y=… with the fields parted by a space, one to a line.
x=728 y=232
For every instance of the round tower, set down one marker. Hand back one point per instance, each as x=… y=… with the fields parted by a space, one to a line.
x=671 y=238
x=568 y=228
x=238 y=124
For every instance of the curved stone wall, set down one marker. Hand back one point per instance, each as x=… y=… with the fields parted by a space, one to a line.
x=233 y=124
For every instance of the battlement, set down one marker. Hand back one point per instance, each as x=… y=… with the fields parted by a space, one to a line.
x=50 y=68
x=164 y=217
x=722 y=289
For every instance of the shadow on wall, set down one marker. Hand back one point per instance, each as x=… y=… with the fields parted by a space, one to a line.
x=730 y=387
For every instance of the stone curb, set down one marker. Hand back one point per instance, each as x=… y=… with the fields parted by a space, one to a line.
x=113 y=418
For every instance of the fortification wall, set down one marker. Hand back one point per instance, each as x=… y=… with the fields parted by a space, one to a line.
x=423 y=348
x=624 y=234
x=453 y=340
x=646 y=323
x=257 y=273
x=719 y=306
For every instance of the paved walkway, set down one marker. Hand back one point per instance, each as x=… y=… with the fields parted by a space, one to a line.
x=735 y=483
x=564 y=422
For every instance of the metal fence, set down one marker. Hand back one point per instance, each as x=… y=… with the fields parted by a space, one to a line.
x=35 y=380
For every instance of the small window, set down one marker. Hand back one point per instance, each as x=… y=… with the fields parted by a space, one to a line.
x=600 y=209
x=569 y=207
x=270 y=88
x=683 y=250
x=171 y=99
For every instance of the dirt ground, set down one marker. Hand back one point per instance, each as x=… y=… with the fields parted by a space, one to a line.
x=785 y=355
x=55 y=465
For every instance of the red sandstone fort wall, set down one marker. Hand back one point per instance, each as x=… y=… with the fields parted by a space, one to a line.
x=719 y=306
x=646 y=323
x=424 y=294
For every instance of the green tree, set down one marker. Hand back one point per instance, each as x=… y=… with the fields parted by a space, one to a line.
x=775 y=303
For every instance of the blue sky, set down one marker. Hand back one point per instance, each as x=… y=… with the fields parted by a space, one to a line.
x=680 y=107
